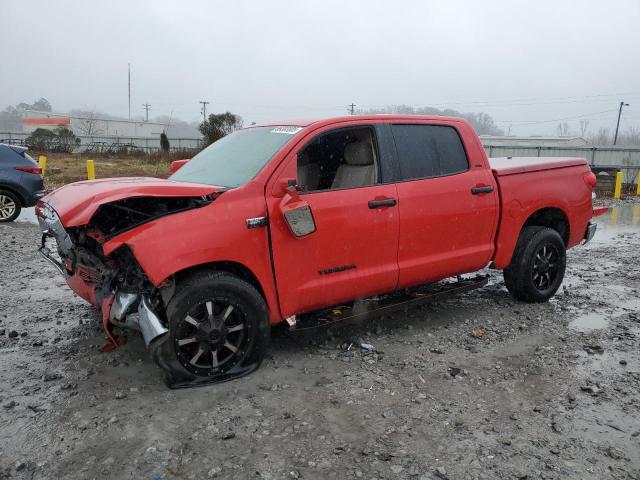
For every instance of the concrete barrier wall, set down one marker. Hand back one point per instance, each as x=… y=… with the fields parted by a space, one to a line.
x=626 y=159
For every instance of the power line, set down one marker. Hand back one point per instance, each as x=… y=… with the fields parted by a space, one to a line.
x=204 y=109
x=535 y=122
x=146 y=106
x=523 y=102
x=129 y=87
x=351 y=108
x=622 y=104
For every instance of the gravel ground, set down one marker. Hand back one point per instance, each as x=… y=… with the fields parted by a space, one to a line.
x=547 y=391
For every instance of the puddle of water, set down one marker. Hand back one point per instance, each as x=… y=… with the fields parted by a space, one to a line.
x=588 y=322
x=619 y=219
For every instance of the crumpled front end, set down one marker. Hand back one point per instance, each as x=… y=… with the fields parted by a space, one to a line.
x=113 y=283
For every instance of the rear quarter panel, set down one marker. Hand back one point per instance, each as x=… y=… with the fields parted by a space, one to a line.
x=523 y=194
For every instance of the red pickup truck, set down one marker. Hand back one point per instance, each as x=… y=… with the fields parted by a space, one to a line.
x=275 y=221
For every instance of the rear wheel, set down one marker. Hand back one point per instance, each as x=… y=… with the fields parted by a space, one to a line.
x=218 y=330
x=538 y=265
x=10 y=206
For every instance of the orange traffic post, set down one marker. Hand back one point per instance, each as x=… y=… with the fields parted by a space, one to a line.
x=91 y=170
x=42 y=161
x=617 y=192
x=638 y=185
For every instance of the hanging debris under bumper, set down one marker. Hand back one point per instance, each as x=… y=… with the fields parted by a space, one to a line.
x=143 y=319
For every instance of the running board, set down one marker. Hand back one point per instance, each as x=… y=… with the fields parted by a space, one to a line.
x=373 y=307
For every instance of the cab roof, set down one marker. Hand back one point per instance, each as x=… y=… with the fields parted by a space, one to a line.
x=349 y=118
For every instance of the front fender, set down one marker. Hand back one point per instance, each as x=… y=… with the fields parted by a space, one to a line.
x=217 y=232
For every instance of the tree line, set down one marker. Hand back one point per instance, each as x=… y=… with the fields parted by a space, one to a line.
x=217 y=125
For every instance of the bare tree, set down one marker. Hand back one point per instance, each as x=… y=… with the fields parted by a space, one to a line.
x=630 y=137
x=89 y=123
x=584 y=127
x=601 y=137
x=482 y=122
x=563 y=129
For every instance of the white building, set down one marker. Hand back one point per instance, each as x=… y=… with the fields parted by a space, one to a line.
x=91 y=125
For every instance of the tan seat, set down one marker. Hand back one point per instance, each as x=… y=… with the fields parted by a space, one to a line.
x=359 y=169
x=308 y=172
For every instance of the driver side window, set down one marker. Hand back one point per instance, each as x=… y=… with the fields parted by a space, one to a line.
x=344 y=158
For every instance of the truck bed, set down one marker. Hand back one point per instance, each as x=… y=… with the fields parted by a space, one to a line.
x=510 y=165
x=552 y=185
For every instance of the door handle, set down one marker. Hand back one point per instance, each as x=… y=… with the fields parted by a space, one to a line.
x=478 y=190
x=387 y=202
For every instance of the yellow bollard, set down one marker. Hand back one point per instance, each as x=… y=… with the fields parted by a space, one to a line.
x=618 y=190
x=635 y=214
x=91 y=170
x=42 y=161
x=638 y=185
x=614 y=216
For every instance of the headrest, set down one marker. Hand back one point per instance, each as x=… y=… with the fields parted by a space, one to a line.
x=358 y=153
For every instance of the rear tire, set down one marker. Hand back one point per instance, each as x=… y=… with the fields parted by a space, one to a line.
x=218 y=330
x=10 y=206
x=537 y=268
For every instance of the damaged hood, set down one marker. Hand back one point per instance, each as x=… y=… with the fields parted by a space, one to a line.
x=77 y=202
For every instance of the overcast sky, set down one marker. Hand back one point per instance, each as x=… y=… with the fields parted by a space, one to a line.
x=520 y=61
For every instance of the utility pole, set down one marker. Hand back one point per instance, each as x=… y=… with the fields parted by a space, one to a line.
x=351 y=108
x=129 y=82
x=622 y=104
x=146 y=106
x=204 y=109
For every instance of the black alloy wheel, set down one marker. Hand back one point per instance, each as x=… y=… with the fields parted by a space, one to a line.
x=219 y=330
x=210 y=335
x=538 y=264
x=545 y=266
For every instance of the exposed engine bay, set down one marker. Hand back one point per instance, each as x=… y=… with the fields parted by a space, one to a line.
x=115 y=284
x=111 y=219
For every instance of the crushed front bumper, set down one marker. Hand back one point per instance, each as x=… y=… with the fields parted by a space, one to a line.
x=145 y=321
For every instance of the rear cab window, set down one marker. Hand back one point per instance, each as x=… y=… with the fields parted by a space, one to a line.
x=427 y=151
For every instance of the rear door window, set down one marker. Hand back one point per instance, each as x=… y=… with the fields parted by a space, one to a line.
x=426 y=151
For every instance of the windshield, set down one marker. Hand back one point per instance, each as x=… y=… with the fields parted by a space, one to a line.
x=237 y=158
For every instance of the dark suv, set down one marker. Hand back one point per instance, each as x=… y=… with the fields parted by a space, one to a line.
x=20 y=181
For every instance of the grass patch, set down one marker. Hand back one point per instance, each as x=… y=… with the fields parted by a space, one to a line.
x=68 y=168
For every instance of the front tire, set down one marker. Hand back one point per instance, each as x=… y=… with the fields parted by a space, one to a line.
x=10 y=206
x=218 y=331
x=537 y=268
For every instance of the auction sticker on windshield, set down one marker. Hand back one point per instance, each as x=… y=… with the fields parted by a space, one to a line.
x=287 y=130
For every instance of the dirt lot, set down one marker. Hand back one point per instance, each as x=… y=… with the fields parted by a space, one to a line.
x=547 y=391
x=67 y=168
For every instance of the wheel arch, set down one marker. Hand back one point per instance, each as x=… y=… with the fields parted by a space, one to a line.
x=552 y=217
x=511 y=228
x=14 y=191
x=234 y=268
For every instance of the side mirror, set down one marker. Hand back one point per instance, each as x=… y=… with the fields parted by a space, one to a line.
x=297 y=213
x=300 y=219
x=177 y=165
x=286 y=185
